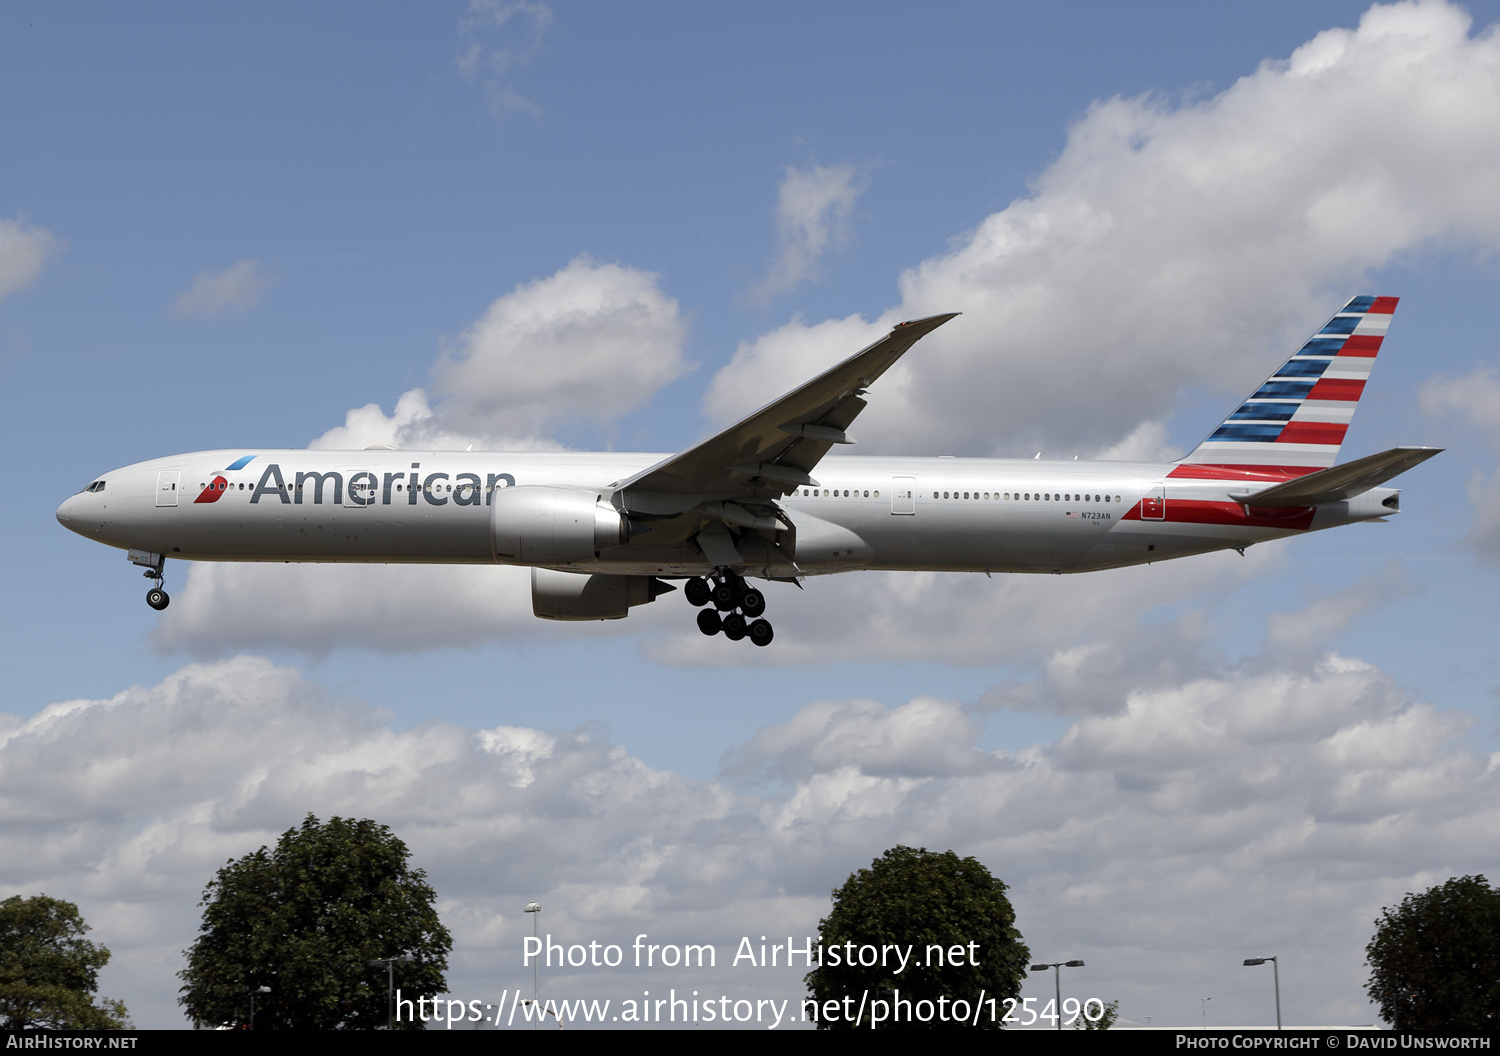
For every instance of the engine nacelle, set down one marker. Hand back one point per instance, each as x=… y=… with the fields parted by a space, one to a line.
x=573 y=596
x=537 y=524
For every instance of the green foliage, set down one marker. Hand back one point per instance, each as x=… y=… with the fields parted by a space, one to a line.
x=1435 y=959
x=1104 y=1022
x=919 y=898
x=305 y=919
x=49 y=971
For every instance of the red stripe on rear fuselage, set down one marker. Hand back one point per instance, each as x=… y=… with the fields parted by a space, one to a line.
x=1200 y=511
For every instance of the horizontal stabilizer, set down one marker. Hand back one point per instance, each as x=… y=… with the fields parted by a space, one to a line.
x=1339 y=482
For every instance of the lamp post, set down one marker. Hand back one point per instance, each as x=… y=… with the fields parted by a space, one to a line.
x=253 y=992
x=390 y=984
x=1203 y=1004
x=535 y=908
x=1275 y=979
x=1057 y=967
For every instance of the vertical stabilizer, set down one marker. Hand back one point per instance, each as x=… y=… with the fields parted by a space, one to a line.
x=1295 y=422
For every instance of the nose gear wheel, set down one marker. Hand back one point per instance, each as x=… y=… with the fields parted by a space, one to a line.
x=156 y=597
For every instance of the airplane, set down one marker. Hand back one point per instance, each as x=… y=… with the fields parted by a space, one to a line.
x=763 y=500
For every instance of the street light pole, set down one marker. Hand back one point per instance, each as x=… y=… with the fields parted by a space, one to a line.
x=390 y=984
x=253 y=992
x=1057 y=967
x=1275 y=978
x=535 y=909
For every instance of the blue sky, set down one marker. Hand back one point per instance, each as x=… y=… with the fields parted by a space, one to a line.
x=232 y=227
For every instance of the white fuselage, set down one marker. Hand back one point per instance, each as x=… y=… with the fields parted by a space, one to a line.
x=946 y=514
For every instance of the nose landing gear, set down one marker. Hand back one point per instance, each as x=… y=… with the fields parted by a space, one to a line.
x=156 y=597
x=728 y=594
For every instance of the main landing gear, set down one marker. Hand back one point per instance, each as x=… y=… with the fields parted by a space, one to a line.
x=730 y=593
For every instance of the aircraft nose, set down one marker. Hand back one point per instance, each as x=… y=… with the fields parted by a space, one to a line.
x=65 y=512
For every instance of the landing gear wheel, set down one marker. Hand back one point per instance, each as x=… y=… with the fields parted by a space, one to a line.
x=734 y=627
x=157 y=598
x=698 y=592
x=752 y=603
x=709 y=622
x=726 y=595
x=761 y=633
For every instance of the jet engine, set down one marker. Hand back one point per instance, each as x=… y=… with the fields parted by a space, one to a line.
x=544 y=525
x=573 y=596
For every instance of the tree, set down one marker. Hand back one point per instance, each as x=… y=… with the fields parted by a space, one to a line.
x=916 y=899
x=1435 y=959
x=305 y=920
x=1107 y=1018
x=49 y=971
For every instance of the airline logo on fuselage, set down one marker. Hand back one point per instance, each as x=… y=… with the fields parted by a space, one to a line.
x=219 y=484
x=366 y=487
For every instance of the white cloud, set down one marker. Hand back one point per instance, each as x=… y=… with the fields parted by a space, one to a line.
x=233 y=291
x=1146 y=443
x=1326 y=615
x=942 y=616
x=924 y=738
x=319 y=608
x=922 y=616
x=415 y=425
x=1174 y=246
x=1484 y=534
x=1473 y=397
x=813 y=208
x=498 y=39
x=590 y=343
x=1249 y=808
x=25 y=250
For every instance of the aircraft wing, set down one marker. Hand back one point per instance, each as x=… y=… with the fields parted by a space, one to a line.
x=1340 y=482
x=773 y=451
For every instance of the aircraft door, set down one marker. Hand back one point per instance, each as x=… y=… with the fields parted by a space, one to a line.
x=903 y=495
x=1154 y=502
x=166 y=487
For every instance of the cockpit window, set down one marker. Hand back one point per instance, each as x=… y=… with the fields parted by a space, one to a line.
x=97 y=485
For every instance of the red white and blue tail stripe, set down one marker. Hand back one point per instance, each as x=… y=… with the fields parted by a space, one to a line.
x=1294 y=423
